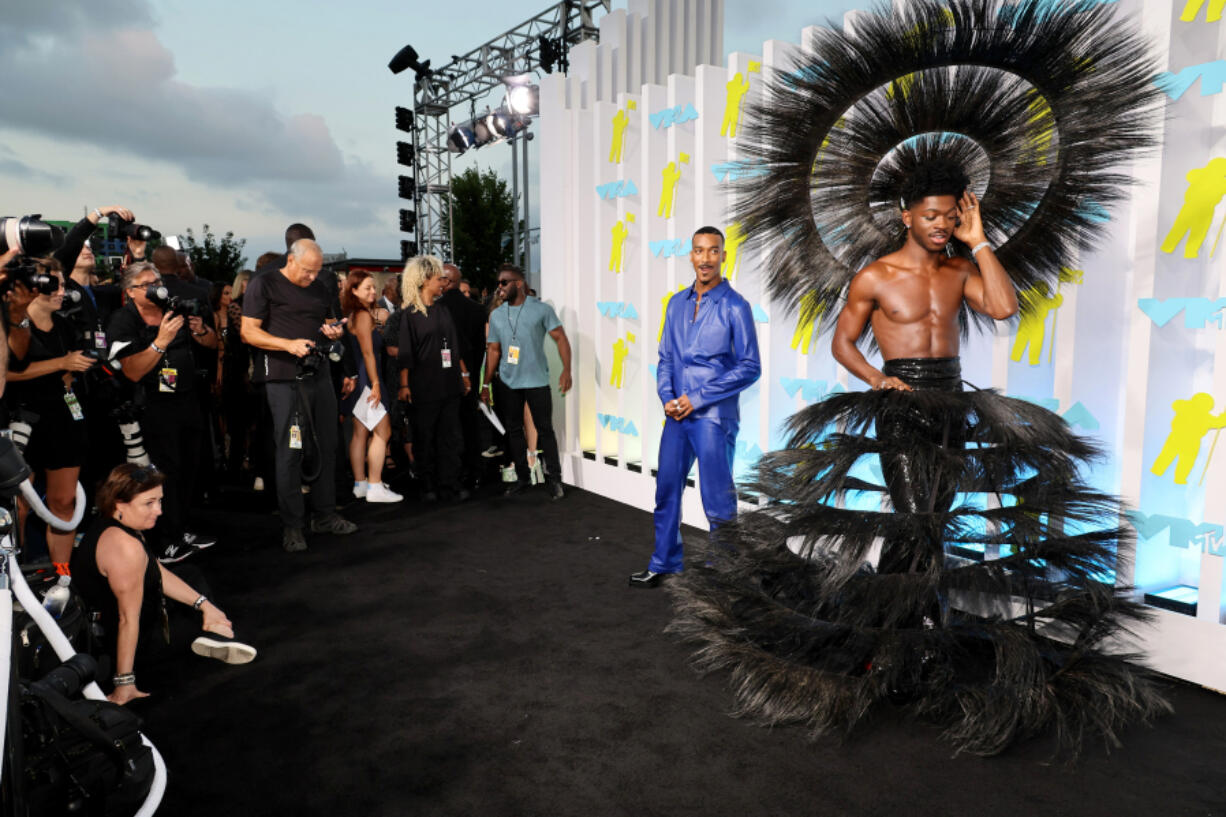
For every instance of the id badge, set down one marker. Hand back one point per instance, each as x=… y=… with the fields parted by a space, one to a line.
x=167 y=379
x=100 y=340
x=295 y=437
x=446 y=358
x=74 y=405
x=513 y=355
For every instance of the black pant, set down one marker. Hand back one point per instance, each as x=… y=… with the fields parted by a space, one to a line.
x=437 y=442
x=540 y=403
x=172 y=428
x=310 y=404
x=918 y=482
x=470 y=418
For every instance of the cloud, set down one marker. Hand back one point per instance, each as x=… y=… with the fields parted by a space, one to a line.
x=12 y=167
x=96 y=73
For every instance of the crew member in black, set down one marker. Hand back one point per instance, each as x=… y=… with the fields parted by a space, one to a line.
x=469 y=319
x=433 y=377
x=155 y=348
x=45 y=352
x=286 y=313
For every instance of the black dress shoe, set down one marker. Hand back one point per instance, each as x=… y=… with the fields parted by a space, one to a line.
x=645 y=579
x=429 y=496
x=515 y=487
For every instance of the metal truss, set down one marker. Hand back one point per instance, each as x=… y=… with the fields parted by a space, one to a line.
x=465 y=79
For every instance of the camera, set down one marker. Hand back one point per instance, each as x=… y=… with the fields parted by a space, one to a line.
x=313 y=361
x=187 y=307
x=29 y=235
x=25 y=271
x=118 y=228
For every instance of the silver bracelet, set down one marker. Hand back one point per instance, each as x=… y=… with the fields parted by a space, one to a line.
x=98 y=213
x=124 y=680
x=979 y=247
x=198 y=603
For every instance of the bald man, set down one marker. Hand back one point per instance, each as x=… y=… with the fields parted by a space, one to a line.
x=287 y=313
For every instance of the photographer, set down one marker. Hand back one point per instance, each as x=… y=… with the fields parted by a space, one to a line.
x=286 y=313
x=157 y=356
x=45 y=354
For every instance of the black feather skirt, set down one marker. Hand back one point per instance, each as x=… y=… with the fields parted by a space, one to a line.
x=990 y=610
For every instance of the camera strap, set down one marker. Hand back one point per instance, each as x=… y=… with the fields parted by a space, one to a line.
x=308 y=420
x=86 y=727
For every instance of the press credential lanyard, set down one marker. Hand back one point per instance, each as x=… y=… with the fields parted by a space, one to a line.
x=513 y=351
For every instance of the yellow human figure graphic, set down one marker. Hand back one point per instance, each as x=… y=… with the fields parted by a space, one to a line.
x=672 y=175
x=664 y=311
x=620 y=230
x=620 y=120
x=806 y=326
x=621 y=348
x=734 y=237
x=1192 y=8
x=1192 y=421
x=1037 y=302
x=737 y=87
x=1206 y=186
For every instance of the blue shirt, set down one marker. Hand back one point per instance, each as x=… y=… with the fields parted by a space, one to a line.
x=711 y=357
x=524 y=327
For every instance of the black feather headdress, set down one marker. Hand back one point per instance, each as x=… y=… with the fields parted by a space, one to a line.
x=1042 y=103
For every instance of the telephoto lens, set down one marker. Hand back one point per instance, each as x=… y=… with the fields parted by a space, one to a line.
x=29 y=235
x=68 y=678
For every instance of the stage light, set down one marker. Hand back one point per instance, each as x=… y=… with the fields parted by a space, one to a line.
x=408 y=187
x=461 y=137
x=408 y=221
x=408 y=249
x=504 y=124
x=483 y=133
x=407 y=58
x=524 y=100
x=404 y=154
x=404 y=119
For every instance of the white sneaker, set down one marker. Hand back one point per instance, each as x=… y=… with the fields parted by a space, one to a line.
x=360 y=489
x=379 y=492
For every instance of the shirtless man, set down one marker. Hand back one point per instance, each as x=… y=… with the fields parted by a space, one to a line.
x=911 y=298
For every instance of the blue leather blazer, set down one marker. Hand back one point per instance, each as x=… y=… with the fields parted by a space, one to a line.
x=711 y=357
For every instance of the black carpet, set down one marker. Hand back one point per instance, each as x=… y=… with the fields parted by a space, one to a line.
x=488 y=658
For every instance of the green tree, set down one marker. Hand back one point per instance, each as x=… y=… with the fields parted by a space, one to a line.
x=212 y=259
x=482 y=212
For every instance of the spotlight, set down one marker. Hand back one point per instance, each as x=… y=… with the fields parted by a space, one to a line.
x=483 y=132
x=503 y=124
x=407 y=58
x=408 y=221
x=408 y=249
x=404 y=154
x=404 y=119
x=461 y=137
x=524 y=100
x=408 y=187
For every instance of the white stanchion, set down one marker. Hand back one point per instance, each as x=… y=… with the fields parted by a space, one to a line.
x=36 y=502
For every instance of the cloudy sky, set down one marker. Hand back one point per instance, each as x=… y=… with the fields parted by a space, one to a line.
x=247 y=115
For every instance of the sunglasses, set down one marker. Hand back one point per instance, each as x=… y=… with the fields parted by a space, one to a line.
x=144 y=473
x=504 y=281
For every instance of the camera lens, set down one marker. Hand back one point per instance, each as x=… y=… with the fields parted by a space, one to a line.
x=30 y=235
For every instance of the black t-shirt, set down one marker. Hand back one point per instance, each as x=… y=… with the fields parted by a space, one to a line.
x=422 y=341
x=289 y=311
x=172 y=376
x=48 y=388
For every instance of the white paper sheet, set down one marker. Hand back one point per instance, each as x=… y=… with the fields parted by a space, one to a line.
x=367 y=414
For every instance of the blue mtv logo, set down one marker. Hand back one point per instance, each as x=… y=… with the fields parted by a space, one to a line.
x=670 y=247
x=618 y=424
x=1181 y=533
x=1212 y=76
x=618 y=189
x=811 y=391
x=617 y=309
x=1197 y=312
x=673 y=116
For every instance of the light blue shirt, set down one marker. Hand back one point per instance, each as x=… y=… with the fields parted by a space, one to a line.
x=525 y=327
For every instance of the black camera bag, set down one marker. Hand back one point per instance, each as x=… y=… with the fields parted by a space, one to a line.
x=82 y=757
x=34 y=655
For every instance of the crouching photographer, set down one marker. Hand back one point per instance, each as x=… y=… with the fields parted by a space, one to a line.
x=290 y=315
x=45 y=414
x=153 y=338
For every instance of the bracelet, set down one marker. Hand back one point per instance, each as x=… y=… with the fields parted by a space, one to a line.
x=157 y=348
x=485 y=385
x=98 y=213
x=124 y=680
x=463 y=374
x=198 y=603
x=979 y=247
x=200 y=334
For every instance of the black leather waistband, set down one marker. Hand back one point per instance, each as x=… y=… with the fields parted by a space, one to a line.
x=937 y=373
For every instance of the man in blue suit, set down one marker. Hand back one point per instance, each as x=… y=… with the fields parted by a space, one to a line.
x=708 y=356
